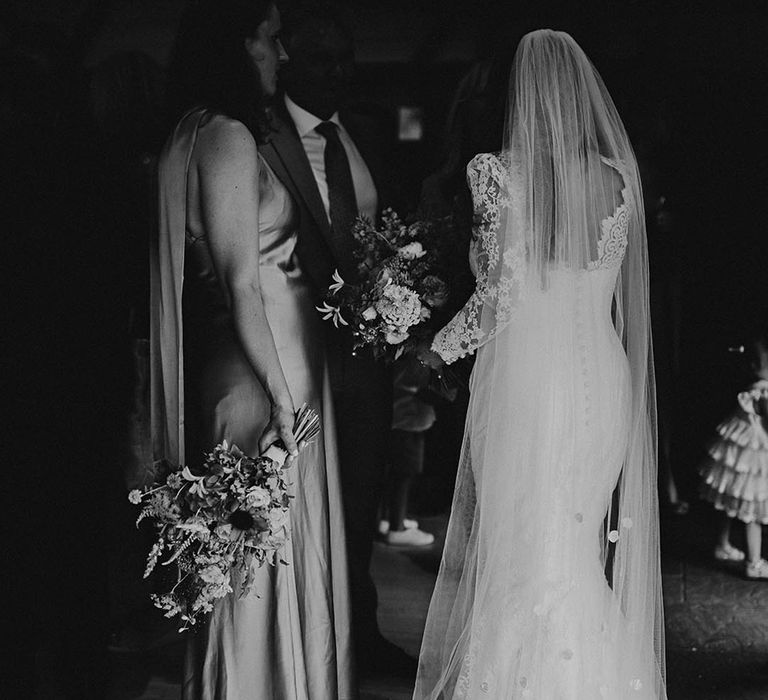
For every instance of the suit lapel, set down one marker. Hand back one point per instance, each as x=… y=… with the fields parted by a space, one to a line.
x=286 y=156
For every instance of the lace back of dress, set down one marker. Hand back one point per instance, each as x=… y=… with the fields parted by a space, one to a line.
x=562 y=400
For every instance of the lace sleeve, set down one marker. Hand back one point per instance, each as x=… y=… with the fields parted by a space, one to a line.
x=499 y=256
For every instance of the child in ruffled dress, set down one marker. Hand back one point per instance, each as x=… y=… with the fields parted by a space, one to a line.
x=735 y=475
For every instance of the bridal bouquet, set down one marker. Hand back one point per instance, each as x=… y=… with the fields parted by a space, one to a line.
x=231 y=517
x=400 y=286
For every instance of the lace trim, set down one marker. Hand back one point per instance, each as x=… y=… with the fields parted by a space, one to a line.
x=487 y=177
x=613 y=240
x=488 y=180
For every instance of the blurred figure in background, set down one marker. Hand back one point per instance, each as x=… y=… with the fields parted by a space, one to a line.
x=474 y=125
x=735 y=473
x=412 y=417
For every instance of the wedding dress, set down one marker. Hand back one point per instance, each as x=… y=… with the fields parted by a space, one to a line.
x=549 y=587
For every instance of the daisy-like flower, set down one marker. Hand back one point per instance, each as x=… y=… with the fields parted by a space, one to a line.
x=174 y=480
x=332 y=313
x=135 y=497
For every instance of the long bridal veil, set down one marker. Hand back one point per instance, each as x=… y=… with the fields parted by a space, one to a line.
x=550 y=584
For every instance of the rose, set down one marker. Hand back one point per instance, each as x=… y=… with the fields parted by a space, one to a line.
x=213 y=574
x=257 y=497
x=277 y=518
x=224 y=531
x=412 y=251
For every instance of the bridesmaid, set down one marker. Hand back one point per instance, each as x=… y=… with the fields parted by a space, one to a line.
x=235 y=340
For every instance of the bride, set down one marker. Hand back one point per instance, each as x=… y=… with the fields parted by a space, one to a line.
x=549 y=587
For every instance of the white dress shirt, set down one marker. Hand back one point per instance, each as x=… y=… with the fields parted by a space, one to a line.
x=314 y=147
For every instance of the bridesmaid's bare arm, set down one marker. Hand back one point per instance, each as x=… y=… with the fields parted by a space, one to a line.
x=227 y=173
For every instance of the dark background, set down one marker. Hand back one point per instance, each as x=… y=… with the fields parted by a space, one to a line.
x=77 y=139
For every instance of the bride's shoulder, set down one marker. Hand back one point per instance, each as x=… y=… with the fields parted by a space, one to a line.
x=485 y=161
x=495 y=165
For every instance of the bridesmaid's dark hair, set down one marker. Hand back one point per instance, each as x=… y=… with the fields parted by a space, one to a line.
x=209 y=64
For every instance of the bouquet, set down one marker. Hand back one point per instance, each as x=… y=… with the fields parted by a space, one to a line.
x=400 y=286
x=217 y=526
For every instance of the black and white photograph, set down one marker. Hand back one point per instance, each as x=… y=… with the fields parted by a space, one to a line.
x=384 y=349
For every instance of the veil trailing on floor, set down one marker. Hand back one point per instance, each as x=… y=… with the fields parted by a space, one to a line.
x=550 y=584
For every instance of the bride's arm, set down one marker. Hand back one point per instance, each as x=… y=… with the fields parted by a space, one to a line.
x=498 y=257
x=227 y=172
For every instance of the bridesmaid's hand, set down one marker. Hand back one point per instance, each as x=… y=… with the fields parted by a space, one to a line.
x=280 y=429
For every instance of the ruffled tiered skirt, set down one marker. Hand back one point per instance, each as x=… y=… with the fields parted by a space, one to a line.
x=735 y=474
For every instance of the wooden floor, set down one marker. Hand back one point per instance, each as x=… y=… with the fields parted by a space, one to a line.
x=717 y=622
x=404 y=578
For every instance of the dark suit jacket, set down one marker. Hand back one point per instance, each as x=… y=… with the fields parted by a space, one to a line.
x=285 y=155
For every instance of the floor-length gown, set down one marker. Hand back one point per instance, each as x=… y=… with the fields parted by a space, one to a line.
x=522 y=606
x=289 y=639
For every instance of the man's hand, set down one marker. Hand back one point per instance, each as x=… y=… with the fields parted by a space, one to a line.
x=429 y=358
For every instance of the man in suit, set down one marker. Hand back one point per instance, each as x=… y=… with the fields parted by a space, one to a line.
x=331 y=161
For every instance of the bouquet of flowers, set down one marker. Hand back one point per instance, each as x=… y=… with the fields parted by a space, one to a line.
x=400 y=286
x=229 y=519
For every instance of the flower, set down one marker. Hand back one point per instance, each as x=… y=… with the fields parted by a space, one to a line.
x=338 y=283
x=417 y=229
x=242 y=520
x=257 y=497
x=332 y=313
x=613 y=536
x=277 y=518
x=219 y=522
x=189 y=476
x=224 y=531
x=213 y=574
x=435 y=291
x=399 y=307
x=369 y=314
x=174 y=481
x=412 y=251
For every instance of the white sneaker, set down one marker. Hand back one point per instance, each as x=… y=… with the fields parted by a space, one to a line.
x=727 y=552
x=757 y=569
x=410 y=538
x=408 y=524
